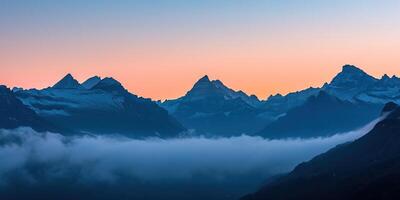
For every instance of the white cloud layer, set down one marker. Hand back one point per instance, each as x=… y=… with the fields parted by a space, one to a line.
x=104 y=158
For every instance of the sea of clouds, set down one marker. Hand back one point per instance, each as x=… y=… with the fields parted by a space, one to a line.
x=31 y=157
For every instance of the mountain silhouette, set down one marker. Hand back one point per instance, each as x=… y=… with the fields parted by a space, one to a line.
x=14 y=114
x=68 y=82
x=368 y=168
x=105 y=108
x=321 y=115
x=212 y=108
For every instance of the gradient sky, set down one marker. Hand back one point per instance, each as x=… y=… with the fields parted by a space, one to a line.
x=159 y=48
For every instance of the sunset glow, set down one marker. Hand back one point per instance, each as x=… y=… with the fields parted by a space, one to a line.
x=159 y=50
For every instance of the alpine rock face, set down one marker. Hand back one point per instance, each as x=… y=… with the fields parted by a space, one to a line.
x=101 y=106
x=212 y=108
x=14 y=114
x=353 y=84
x=367 y=168
x=360 y=94
x=68 y=82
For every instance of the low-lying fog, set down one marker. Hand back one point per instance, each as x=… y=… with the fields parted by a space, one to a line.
x=49 y=164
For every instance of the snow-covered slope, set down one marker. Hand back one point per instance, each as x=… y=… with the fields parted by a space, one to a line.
x=14 y=114
x=351 y=84
x=212 y=108
x=107 y=107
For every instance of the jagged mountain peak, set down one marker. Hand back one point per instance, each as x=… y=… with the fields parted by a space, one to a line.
x=109 y=84
x=90 y=82
x=352 y=77
x=387 y=82
x=385 y=76
x=67 y=82
x=206 y=88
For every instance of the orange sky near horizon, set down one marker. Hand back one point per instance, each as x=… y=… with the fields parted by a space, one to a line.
x=160 y=54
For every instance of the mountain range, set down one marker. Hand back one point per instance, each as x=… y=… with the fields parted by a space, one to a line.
x=212 y=108
x=351 y=99
x=101 y=106
x=14 y=114
x=368 y=168
x=321 y=115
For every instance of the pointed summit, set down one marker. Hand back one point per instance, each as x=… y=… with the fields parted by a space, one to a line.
x=89 y=83
x=352 y=77
x=387 y=82
x=205 y=88
x=109 y=84
x=202 y=88
x=68 y=82
x=204 y=79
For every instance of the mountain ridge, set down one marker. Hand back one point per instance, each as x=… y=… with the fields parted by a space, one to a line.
x=104 y=108
x=366 y=168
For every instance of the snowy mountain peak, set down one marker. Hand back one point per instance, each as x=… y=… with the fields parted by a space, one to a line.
x=109 y=84
x=205 y=88
x=89 y=83
x=68 y=82
x=351 y=77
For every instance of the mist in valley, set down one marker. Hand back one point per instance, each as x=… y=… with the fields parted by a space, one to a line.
x=50 y=165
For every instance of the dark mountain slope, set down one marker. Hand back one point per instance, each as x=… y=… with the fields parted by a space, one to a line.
x=14 y=114
x=212 y=108
x=102 y=107
x=368 y=168
x=321 y=115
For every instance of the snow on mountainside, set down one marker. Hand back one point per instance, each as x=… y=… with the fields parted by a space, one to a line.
x=204 y=88
x=89 y=83
x=279 y=104
x=351 y=84
x=367 y=168
x=209 y=98
x=384 y=90
x=13 y=113
x=210 y=107
x=320 y=116
x=106 y=107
